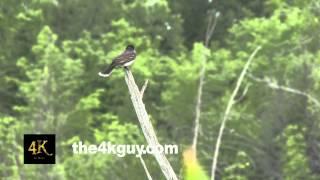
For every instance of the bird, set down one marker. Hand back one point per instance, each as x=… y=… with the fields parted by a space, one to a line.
x=125 y=59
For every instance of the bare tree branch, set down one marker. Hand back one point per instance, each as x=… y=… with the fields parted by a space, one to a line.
x=144 y=88
x=198 y=106
x=145 y=167
x=246 y=89
x=210 y=29
x=147 y=127
x=274 y=85
x=228 y=110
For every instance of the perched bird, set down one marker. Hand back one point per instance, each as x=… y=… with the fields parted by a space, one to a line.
x=123 y=60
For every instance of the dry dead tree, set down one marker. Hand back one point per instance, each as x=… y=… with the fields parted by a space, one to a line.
x=275 y=85
x=210 y=29
x=145 y=167
x=146 y=126
x=228 y=110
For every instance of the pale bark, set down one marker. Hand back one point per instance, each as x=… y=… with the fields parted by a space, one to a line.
x=210 y=29
x=228 y=110
x=274 y=85
x=145 y=167
x=146 y=126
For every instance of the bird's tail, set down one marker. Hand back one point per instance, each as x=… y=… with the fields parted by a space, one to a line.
x=107 y=72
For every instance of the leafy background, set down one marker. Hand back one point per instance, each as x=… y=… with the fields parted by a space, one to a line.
x=51 y=51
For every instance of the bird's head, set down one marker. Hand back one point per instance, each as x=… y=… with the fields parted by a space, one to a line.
x=130 y=47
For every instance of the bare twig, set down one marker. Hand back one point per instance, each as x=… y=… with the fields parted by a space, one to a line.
x=227 y=112
x=147 y=127
x=210 y=29
x=274 y=85
x=144 y=88
x=198 y=106
x=246 y=89
x=145 y=167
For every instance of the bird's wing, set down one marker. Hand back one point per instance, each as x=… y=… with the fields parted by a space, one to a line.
x=124 y=58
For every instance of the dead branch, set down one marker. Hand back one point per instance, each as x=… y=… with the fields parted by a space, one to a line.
x=144 y=88
x=146 y=126
x=145 y=167
x=246 y=89
x=228 y=110
x=210 y=29
x=274 y=85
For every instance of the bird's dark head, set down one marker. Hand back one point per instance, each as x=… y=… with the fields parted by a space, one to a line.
x=130 y=47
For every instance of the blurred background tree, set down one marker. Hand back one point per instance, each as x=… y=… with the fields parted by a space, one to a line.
x=51 y=51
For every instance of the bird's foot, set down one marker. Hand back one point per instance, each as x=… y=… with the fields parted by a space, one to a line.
x=127 y=68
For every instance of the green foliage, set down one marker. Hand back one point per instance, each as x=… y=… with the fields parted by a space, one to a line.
x=239 y=169
x=180 y=92
x=43 y=91
x=116 y=132
x=295 y=163
x=51 y=52
x=9 y=147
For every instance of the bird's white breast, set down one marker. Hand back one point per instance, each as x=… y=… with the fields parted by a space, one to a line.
x=128 y=63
